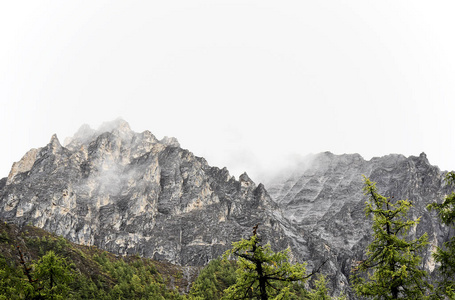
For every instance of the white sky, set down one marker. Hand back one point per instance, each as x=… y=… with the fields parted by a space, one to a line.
x=245 y=84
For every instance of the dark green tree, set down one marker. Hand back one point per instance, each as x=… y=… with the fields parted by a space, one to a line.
x=320 y=292
x=392 y=264
x=53 y=275
x=262 y=273
x=217 y=276
x=12 y=285
x=445 y=255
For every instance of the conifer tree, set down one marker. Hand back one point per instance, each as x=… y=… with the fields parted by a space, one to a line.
x=53 y=273
x=392 y=264
x=217 y=276
x=262 y=273
x=445 y=255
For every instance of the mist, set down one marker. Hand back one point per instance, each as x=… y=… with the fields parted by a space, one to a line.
x=245 y=84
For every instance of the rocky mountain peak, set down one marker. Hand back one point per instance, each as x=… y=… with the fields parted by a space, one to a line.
x=246 y=182
x=148 y=137
x=129 y=193
x=423 y=158
x=170 y=141
x=23 y=166
x=245 y=178
x=54 y=144
x=118 y=128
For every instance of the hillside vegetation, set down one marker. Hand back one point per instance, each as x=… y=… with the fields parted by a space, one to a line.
x=35 y=264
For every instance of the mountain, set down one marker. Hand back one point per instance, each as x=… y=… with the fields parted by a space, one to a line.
x=130 y=193
x=323 y=196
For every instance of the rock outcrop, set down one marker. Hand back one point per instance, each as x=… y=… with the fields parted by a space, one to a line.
x=324 y=197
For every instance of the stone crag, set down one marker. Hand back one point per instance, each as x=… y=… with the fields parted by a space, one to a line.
x=130 y=193
x=324 y=196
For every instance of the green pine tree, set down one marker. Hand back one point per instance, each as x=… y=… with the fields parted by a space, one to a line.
x=12 y=285
x=445 y=255
x=53 y=274
x=392 y=266
x=265 y=274
x=217 y=276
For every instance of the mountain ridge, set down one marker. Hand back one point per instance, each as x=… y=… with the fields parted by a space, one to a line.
x=130 y=193
x=114 y=188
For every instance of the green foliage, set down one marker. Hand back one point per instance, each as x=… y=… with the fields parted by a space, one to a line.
x=57 y=244
x=85 y=288
x=46 y=279
x=53 y=274
x=11 y=284
x=262 y=273
x=63 y=270
x=445 y=255
x=392 y=266
x=217 y=276
x=220 y=274
x=320 y=292
x=4 y=237
x=137 y=280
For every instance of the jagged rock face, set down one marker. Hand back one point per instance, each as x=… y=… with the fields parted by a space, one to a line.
x=130 y=193
x=324 y=197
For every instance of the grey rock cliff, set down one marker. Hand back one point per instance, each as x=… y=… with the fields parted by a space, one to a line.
x=324 y=197
x=130 y=193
